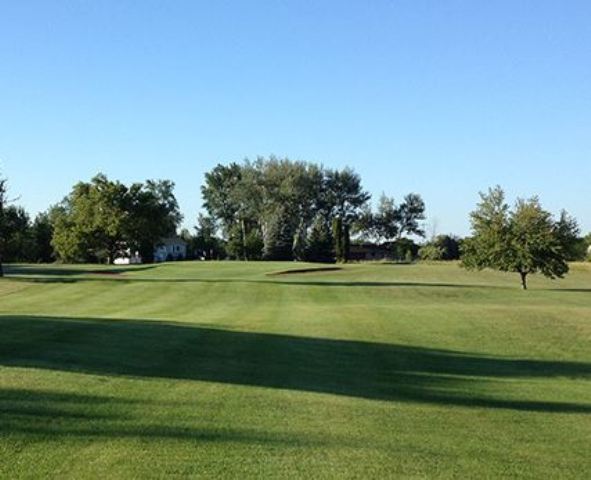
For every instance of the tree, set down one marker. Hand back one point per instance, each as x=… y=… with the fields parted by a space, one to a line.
x=42 y=233
x=279 y=237
x=386 y=221
x=431 y=252
x=277 y=201
x=206 y=243
x=391 y=222
x=319 y=246
x=568 y=231
x=18 y=241
x=153 y=214
x=442 y=247
x=102 y=219
x=90 y=223
x=337 y=234
x=524 y=240
x=344 y=198
x=3 y=201
x=410 y=213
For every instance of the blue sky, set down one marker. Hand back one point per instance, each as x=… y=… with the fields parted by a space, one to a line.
x=444 y=98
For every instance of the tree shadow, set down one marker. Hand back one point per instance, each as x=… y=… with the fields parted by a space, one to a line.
x=48 y=271
x=51 y=414
x=572 y=290
x=279 y=281
x=352 y=368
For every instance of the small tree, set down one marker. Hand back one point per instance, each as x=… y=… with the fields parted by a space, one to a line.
x=524 y=240
x=337 y=234
x=430 y=252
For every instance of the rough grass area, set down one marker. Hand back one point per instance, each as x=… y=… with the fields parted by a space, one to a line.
x=220 y=370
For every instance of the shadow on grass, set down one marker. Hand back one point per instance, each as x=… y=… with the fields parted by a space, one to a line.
x=49 y=414
x=358 y=369
x=49 y=272
x=282 y=281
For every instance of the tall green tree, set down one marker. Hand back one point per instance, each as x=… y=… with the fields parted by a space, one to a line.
x=524 y=240
x=3 y=202
x=90 y=223
x=319 y=244
x=345 y=198
x=339 y=241
x=42 y=233
x=205 y=243
x=411 y=213
x=152 y=214
x=103 y=219
x=19 y=244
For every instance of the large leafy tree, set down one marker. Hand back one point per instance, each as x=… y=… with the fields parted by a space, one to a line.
x=205 y=243
x=219 y=194
x=19 y=245
x=345 y=199
x=269 y=207
x=89 y=224
x=42 y=232
x=391 y=223
x=102 y=219
x=153 y=214
x=525 y=239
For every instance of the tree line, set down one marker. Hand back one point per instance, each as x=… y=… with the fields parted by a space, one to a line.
x=279 y=209
x=96 y=222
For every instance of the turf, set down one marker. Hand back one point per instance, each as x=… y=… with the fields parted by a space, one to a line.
x=238 y=370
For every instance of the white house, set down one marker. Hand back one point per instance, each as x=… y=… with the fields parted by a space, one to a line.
x=169 y=249
x=174 y=248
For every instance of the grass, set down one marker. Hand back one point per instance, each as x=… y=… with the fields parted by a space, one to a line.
x=236 y=370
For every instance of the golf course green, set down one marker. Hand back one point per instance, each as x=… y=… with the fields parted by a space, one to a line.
x=248 y=370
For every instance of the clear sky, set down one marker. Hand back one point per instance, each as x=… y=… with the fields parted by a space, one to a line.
x=443 y=97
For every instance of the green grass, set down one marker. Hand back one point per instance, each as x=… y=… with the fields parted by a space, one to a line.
x=222 y=370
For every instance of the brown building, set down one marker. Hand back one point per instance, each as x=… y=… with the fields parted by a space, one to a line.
x=370 y=251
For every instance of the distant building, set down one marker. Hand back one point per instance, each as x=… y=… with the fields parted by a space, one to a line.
x=168 y=250
x=370 y=251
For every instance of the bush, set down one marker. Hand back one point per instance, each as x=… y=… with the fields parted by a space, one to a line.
x=431 y=251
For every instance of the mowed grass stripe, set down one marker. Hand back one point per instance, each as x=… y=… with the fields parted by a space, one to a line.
x=217 y=369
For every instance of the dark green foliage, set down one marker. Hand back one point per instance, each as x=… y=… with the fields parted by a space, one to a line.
x=103 y=219
x=410 y=213
x=524 y=240
x=153 y=214
x=337 y=235
x=391 y=222
x=403 y=245
x=205 y=244
x=442 y=247
x=450 y=246
x=320 y=243
x=19 y=245
x=278 y=200
x=567 y=229
x=3 y=201
x=431 y=252
x=346 y=243
x=279 y=237
x=42 y=232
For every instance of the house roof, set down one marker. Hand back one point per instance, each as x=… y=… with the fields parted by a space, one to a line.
x=173 y=241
